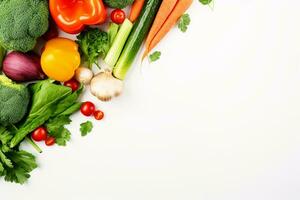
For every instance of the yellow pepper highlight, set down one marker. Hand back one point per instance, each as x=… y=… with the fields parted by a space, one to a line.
x=60 y=59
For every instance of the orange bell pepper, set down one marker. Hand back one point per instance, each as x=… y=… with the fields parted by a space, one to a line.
x=73 y=15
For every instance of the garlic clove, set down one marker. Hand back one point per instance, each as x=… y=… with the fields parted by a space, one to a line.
x=84 y=75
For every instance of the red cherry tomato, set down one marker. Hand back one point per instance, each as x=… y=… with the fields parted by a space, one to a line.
x=39 y=134
x=73 y=84
x=87 y=108
x=118 y=16
x=50 y=141
x=98 y=114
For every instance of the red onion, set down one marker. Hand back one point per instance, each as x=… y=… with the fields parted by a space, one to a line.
x=23 y=67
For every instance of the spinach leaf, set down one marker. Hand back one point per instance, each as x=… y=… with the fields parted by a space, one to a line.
x=45 y=100
x=69 y=104
x=61 y=117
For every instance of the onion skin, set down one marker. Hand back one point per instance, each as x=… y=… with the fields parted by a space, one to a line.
x=84 y=75
x=22 y=67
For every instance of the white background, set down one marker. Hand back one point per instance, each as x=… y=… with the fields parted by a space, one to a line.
x=216 y=118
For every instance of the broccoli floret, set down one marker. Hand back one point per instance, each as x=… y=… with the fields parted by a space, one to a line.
x=118 y=3
x=93 y=44
x=14 y=100
x=22 y=22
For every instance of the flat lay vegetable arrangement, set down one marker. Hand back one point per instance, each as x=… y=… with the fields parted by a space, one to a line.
x=43 y=75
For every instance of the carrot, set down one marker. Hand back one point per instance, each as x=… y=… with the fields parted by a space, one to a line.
x=178 y=11
x=136 y=9
x=164 y=11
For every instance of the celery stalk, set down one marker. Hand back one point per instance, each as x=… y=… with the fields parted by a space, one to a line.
x=112 y=32
x=118 y=43
x=134 y=42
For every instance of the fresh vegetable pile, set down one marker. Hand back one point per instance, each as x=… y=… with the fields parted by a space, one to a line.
x=43 y=75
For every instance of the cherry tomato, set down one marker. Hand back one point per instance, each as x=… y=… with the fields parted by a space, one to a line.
x=118 y=16
x=87 y=108
x=39 y=134
x=73 y=84
x=50 y=141
x=98 y=114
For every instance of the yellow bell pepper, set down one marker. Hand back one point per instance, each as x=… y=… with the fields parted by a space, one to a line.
x=60 y=59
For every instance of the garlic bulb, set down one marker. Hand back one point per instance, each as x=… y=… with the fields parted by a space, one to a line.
x=104 y=86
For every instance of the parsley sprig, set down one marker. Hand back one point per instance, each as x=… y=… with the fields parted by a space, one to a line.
x=155 y=56
x=86 y=128
x=184 y=22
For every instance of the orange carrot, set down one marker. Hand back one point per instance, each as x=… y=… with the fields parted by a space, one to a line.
x=164 y=11
x=178 y=11
x=136 y=9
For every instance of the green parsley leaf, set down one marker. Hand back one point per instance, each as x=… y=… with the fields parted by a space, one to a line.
x=62 y=136
x=86 y=128
x=57 y=130
x=58 y=122
x=23 y=164
x=5 y=136
x=184 y=22
x=1 y=169
x=155 y=56
x=205 y=2
x=7 y=162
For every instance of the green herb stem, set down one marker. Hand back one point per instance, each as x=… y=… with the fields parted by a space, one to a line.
x=33 y=144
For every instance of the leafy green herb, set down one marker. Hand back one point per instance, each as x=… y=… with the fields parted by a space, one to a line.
x=56 y=123
x=62 y=136
x=61 y=117
x=184 y=22
x=93 y=43
x=33 y=144
x=22 y=164
x=57 y=130
x=5 y=160
x=86 y=128
x=155 y=56
x=205 y=2
x=15 y=165
x=5 y=136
